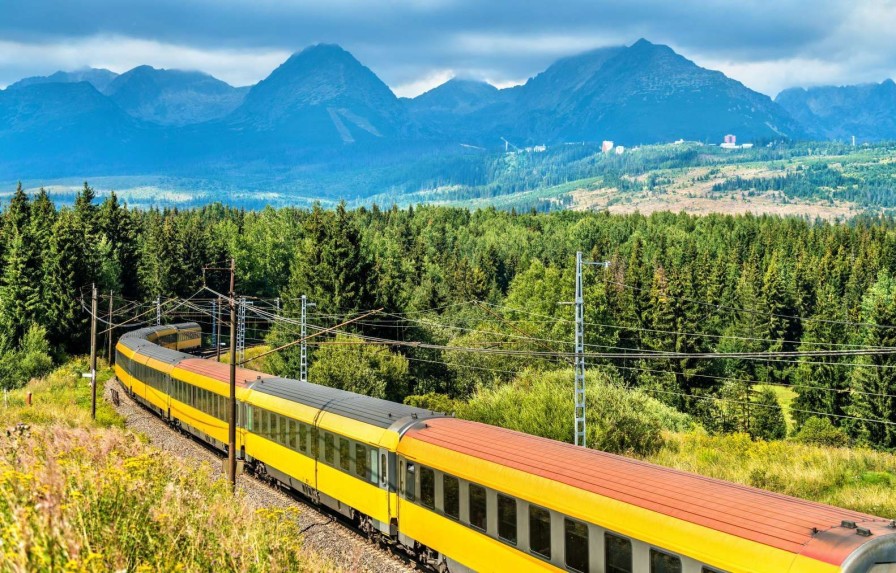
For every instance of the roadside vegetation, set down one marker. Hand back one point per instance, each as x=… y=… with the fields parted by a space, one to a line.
x=92 y=497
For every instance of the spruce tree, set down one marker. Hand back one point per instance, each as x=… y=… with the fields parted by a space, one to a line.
x=873 y=384
x=820 y=382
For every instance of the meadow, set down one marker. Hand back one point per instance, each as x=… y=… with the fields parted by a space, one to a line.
x=84 y=496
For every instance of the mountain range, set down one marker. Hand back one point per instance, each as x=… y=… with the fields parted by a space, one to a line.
x=323 y=114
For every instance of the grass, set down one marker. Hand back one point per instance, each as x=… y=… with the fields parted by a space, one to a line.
x=852 y=478
x=251 y=362
x=785 y=398
x=82 y=496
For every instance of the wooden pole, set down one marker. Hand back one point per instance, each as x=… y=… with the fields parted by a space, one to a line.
x=93 y=354
x=109 y=331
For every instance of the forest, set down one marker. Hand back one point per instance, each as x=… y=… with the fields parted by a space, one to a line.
x=469 y=305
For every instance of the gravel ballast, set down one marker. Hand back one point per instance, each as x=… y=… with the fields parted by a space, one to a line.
x=323 y=535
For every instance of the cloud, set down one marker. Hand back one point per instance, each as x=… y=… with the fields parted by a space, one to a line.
x=120 y=54
x=411 y=43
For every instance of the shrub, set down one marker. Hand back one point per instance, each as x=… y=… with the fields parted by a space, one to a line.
x=620 y=420
x=821 y=432
x=31 y=359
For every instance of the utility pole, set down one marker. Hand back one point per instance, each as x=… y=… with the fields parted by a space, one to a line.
x=231 y=434
x=580 y=350
x=109 y=330
x=93 y=353
x=303 y=355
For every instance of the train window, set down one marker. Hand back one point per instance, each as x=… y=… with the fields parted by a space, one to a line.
x=329 y=448
x=315 y=442
x=293 y=434
x=664 y=563
x=477 y=506
x=284 y=430
x=303 y=437
x=345 y=453
x=262 y=421
x=507 y=519
x=540 y=531
x=361 y=467
x=410 y=481
x=427 y=487
x=576 y=542
x=451 y=490
x=618 y=553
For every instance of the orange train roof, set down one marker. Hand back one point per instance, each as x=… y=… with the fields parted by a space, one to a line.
x=220 y=371
x=764 y=517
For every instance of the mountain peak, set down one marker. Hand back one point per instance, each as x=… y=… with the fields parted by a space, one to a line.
x=100 y=78
x=320 y=94
x=173 y=97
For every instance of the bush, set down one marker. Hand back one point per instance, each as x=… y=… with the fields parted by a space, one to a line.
x=30 y=360
x=619 y=420
x=365 y=368
x=821 y=432
x=434 y=402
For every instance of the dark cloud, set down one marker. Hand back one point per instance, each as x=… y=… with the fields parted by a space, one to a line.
x=407 y=40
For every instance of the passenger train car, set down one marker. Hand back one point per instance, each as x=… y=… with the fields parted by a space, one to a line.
x=463 y=496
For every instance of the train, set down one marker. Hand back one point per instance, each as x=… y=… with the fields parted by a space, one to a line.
x=462 y=496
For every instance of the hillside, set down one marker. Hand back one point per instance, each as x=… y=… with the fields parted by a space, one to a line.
x=842 y=112
x=79 y=495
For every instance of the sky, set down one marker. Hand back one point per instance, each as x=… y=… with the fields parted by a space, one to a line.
x=415 y=45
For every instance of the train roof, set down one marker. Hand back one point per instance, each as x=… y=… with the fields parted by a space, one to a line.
x=799 y=526
x=137 y=340
x=373 y=411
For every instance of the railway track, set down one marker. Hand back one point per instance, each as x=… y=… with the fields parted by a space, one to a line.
x=326 y=533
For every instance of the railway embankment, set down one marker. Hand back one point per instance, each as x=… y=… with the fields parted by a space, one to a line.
x=110 y=495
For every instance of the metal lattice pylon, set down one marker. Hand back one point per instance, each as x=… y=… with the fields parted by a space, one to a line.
x=303 y=359
x=580 y=356
x=241 y=330
x=215 y=323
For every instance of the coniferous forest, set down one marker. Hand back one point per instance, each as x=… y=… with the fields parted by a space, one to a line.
x=471 y=312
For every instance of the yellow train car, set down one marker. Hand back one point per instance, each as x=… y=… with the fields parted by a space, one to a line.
x=462 y=496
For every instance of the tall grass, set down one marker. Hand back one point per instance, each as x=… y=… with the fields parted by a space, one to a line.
x=62 y=397
x=90 y=497
x=854 y=478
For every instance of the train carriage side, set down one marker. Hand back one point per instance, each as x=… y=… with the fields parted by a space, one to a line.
x=145 y=368
x=200 y=399
x=336 y=446
x=493 y=500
